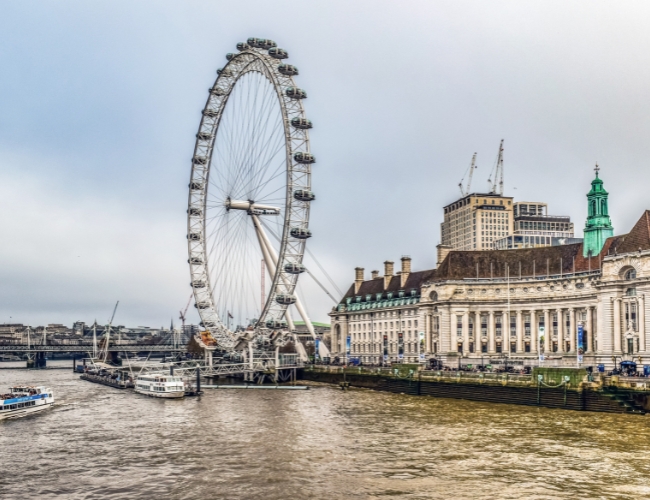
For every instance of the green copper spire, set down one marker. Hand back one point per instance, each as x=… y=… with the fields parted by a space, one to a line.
x=599 y=226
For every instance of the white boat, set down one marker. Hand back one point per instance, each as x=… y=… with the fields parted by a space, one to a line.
x=23 y=400
x=160 y=385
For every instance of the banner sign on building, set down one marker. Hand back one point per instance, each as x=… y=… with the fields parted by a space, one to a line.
x=348 y=340
x=316 y=342
x=540 y=343
x=580 y=346
x=422 y=347
x=400 y=345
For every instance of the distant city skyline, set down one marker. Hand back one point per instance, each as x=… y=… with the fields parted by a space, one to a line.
x=101 y=103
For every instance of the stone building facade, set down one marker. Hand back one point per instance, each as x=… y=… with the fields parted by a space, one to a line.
x=507 y=303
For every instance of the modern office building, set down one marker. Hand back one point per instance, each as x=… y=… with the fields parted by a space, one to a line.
x=533 y=227
x=475 y=221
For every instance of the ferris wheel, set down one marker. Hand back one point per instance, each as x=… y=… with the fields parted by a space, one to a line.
x=250 y=195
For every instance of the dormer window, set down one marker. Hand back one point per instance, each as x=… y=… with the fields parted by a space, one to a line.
x=368 y=297
x=401 y=293
x=390 y=295
x=630 y=274
x=358 y=298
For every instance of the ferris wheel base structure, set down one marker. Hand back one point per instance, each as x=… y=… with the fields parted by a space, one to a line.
x=251 y=169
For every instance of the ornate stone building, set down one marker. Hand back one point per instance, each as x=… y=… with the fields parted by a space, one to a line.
x=517 y=303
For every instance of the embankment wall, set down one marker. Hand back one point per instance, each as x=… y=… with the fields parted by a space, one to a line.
x=565 y=398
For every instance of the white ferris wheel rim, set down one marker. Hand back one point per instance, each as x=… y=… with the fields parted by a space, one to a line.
x=295 y=211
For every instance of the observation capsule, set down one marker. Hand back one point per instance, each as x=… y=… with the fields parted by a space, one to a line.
x=195 y=212
x=203 y=136
x=261 y=43
x=224 y=72
x=275 y=324
x=196 y=186
x=304 y=195
x=301 y=123
x=194 y=236
x=199 y=160
x=202 y=305
x=287 y=69
x=198 y=284
x=293 y=268
x=195 y=260
x=217 y=91
x=300 y=233
x=243 y=46
x=285 y=299
x=208 y=324
x=305 y=158
x=211 y=113
x=230 y=55
x=295 y=93
x=277 y=53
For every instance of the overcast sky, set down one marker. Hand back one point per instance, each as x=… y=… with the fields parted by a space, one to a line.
x=100 y=101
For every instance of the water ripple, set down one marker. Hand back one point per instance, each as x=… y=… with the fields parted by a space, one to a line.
x=103 y=443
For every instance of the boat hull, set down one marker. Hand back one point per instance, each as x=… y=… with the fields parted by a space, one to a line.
x=23 y=412
x=165 y=395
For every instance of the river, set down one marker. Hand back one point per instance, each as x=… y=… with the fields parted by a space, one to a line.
x=103 y=443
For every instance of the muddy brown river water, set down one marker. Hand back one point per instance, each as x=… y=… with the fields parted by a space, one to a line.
x=103 y=443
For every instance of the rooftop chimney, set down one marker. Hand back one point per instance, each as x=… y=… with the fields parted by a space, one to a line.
x=443 y=250
x=358 y=278
x=406 y=270
x=388 y=272
x=374 y=274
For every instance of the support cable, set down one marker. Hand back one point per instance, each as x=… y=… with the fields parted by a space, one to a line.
x=270 y=230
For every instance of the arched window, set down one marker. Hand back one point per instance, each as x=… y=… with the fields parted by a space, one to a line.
x=603 y=207
x=593 y=207
x=630 y=274
x=433 y=296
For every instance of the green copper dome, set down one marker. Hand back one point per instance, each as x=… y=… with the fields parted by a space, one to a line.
x=599 y=225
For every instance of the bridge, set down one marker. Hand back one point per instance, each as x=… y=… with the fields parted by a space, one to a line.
x=277 y=366
x=24 y=348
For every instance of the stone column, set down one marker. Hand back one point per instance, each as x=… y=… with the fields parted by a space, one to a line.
x=453 y=343
x=427 y=333
x=600 y=330
x=590 y=335
x=534 y=342
x=477 y=332
x=519 y=325
x=548 y=331
x=617 y=326
x=572 y=329
x=492 y=348
x=465 y=332
x=560 y=331
x=641 y=313
x=505 y=332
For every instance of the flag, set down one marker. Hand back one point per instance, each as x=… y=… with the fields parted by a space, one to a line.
x=230 y=315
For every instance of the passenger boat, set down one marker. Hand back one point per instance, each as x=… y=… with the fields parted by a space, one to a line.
x=160 y=385
x=23 y=400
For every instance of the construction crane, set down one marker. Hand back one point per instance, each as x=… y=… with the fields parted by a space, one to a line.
x=107 y=335
x=496 y=186
x=183 y=313
x=472 y=166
